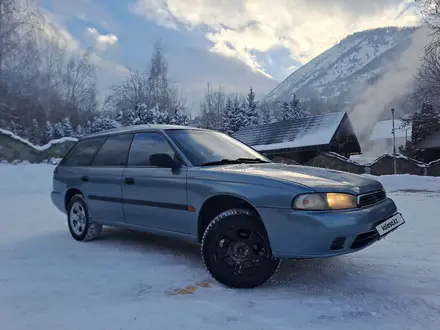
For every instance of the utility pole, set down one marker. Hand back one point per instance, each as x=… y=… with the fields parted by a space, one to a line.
x=394 y=143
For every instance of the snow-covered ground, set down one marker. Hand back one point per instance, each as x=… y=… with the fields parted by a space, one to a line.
x=129 y=280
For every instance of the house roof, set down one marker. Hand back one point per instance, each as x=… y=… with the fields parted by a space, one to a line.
x=431 y=142
x=295 y=133
x=383 y=130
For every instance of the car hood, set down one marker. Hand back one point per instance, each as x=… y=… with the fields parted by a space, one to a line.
x=318 y=179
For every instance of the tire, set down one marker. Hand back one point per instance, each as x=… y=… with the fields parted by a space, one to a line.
x=80 y=226
x=236 y=250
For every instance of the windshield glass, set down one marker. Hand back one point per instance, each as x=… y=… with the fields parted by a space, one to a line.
x=203 y=147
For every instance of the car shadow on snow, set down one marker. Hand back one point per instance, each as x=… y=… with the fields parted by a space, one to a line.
x=322 y=275
x=342 y=274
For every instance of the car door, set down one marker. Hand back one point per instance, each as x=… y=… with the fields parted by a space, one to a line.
x=154 y=196
x=104 y=179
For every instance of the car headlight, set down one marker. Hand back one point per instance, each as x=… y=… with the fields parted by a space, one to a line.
x=324 y=201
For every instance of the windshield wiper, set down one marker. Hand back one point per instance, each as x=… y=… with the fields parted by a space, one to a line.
x=221 y=162
x=253 y=160
x=235 y=161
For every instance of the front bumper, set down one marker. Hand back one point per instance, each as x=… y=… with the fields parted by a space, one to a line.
x=308 y=234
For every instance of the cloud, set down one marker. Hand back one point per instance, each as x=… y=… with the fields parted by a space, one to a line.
x=102 y=41
x=109 y=73
x=238 y=28
x=85 y=10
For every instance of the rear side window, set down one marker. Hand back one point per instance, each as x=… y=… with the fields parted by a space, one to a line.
x=146 y=144
x=114 y=151
x=83 y=152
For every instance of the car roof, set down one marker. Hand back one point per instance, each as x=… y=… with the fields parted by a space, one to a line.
x=140 y=128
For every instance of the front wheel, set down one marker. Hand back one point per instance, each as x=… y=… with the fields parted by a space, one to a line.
x=80 y=226
x=236 y=250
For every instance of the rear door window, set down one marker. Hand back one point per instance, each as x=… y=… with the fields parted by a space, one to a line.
x=83 y=152
x=114 y=151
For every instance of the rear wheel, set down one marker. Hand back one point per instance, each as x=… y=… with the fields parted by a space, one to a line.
x=236 y=250
x=80 y=226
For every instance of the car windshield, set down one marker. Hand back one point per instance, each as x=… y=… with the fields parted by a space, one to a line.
x=208 y=147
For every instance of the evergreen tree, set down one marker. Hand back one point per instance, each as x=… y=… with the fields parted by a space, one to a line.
x=67 y=127
x=228 y=116
x=423 y=124
x=251 y=112
x=58 y=131
x=80 y=131
x=100 y=124
x=238 y=118
x=162 y=117
x=48 y=132
x=126 y=117
x=296 y=109
x=34 y=133
x=266 y=116
x=180 y=118
x=285 y=111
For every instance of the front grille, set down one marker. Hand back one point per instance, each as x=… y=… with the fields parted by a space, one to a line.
x=364 y=239
x=371 y=198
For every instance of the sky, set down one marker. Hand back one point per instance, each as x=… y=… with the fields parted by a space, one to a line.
x=233 y=43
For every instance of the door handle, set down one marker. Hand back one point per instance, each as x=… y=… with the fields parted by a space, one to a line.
x=129 y=180
x=84 y=178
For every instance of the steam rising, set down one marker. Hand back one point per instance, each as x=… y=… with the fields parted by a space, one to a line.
x=394 y=84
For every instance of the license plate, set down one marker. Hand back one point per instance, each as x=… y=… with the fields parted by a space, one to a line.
x=390 y=224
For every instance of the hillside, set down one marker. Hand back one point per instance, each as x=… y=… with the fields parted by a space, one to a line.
x=359 y=58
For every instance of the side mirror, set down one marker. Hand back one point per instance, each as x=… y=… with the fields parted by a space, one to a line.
x=165 y=161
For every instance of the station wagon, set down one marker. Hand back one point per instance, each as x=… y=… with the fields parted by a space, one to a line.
x=246 y=212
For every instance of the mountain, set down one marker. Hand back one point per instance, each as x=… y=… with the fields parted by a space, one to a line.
x=359 y=58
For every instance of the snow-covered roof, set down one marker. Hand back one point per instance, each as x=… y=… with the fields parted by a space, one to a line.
x=383 y=130
x=295 y=133
x=38 y=148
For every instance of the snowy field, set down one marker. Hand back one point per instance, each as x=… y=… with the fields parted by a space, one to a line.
x=136 y=281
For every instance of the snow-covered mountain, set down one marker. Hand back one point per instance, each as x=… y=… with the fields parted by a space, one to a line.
x=359 y=58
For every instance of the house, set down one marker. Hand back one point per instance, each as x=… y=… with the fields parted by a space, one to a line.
x=302 y=139
x=381 y=138
x=429 y=149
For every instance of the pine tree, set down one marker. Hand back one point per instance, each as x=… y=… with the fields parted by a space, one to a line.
x=423 y=123
x=58 y=131
x=285 y=111
x=228 y=116
x=266 y=115
x=237 y=117
x=251 y=112
x=34 y=134
x=100 y=124
x=162 y=117
x=67 y=127
x=80 y=131
x=48 y=132
x=180 y=118
x=296 y=109
x=126 y=117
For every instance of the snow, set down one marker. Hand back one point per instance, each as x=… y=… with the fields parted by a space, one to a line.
x=416 y=162
x=340 y=157
x=38 y=148
x=383 y=130
x=128 y=280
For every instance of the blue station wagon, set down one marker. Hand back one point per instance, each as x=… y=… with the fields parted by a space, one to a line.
x=246 y=212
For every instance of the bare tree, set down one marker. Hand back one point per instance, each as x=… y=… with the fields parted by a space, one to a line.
x=212 y=107
x=131 y=92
